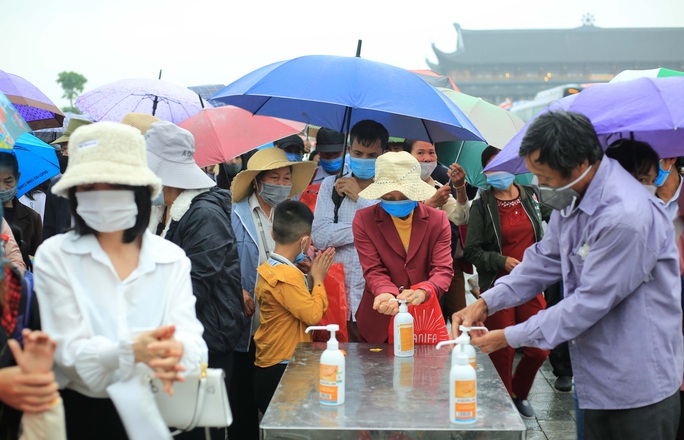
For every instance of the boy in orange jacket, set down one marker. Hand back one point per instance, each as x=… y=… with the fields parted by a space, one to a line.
x=289 y=302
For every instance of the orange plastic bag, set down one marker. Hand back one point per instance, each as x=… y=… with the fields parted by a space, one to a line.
x=310 y=195
x=337 y=305
x=428 y=323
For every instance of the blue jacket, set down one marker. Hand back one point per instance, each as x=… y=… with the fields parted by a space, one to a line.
x=248 y=250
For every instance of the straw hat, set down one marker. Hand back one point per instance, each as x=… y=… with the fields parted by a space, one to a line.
x=141 y=121
x=171 y=156
x=73 y=124
x=398 y=172
x=107 y=152
x=271 y=159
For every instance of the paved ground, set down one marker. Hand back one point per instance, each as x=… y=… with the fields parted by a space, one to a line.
x=555 y=410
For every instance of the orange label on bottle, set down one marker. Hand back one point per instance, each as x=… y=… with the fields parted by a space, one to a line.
x=406 y=333
x=329 y=373
x=328 y=393
x=466 y=402
x=473 y=363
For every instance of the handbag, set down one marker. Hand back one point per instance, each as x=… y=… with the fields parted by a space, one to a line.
x=200 y=400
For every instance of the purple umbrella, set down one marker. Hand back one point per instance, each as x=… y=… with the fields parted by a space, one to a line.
x=647 y=109
x=32 y=104
x=162 y=99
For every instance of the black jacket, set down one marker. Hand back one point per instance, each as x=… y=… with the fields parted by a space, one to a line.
x=205 y=234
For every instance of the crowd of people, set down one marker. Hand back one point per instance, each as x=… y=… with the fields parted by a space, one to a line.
x=142 y=258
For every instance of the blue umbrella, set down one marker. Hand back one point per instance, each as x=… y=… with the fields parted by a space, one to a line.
x=37 y=162
x=336 y=92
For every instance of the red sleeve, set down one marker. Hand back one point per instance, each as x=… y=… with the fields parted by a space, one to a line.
x=441 y=259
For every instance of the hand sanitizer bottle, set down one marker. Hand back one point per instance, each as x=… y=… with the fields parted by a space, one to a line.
x=403 y=330
x=464 y=341
x=462 y=387
x=331 y=368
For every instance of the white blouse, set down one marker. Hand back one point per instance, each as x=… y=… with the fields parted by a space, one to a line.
x=92 y=314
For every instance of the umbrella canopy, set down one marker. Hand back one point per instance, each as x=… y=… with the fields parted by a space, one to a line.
x=12 y=125
x=167 y=101
x=336 y=92
x=495 y=124
x=37 y=162
x=660 y=72
x=226 y=132
x=30 y=102
x=647 y=109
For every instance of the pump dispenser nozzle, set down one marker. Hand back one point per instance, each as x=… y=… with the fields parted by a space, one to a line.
x=332 y=328
x=403 y=304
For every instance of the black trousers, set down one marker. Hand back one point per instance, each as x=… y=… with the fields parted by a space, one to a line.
x=658 y=421
x=241 y=395
x=265 y=383
x=89 y=418
x=559 y=356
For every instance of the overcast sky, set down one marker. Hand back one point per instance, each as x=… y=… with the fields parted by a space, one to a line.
x=217 y=41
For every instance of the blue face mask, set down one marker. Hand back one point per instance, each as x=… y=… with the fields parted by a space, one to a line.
x=294 y=157
x=662 y=175
x=398 y=208
x=364 y=169
x=301 y=256
x=159 y=201
x=331 y=165
x=500 y=179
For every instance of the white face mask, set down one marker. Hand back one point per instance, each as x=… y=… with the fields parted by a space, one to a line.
x=426 y=169
x=107 y=211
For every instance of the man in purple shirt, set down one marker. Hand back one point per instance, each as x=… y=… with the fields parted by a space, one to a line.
x=610 y=242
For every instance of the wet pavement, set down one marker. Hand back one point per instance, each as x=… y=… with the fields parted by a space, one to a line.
x=555 y=409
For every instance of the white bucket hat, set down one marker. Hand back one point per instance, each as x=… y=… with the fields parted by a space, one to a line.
x=107 y=152
x=171 y=156
x=398 y=172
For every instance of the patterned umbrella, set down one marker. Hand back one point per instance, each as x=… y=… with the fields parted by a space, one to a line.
x=659 y=72
x=12 y=126
x=32 y=104
x=49 y=135
x=167 y=101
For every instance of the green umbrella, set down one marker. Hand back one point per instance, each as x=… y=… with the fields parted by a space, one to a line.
x=468 y=154
x=659 y=72
x=497 y=125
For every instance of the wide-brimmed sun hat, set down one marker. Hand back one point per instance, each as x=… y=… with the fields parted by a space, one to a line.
x=271 y=159
x=73 y=124
x=171 y=156
x=141 y=121
x=398 y=172
x=107 y=152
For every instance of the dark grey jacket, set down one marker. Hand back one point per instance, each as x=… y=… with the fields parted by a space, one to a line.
x=205 y=234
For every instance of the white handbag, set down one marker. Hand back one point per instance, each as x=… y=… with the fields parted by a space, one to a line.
x=200 y=400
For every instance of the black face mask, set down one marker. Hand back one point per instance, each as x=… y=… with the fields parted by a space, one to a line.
x=63 y=161
x=232 y=169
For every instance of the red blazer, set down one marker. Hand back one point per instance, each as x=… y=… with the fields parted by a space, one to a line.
x=386 y=266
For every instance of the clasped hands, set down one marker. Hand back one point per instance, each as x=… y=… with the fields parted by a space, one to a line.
x=383 y=304
x=161 y=352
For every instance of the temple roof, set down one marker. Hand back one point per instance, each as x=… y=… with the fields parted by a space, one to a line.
x=586 y=44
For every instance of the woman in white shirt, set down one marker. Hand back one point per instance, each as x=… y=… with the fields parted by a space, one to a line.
x=111 y=294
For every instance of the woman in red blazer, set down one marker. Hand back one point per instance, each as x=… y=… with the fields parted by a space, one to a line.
x=404 y=246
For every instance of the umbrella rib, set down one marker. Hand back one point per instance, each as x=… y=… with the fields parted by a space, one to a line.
x=262 y=105
x=422 y=121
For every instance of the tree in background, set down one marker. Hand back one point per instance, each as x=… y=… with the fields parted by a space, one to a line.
x=72 y=83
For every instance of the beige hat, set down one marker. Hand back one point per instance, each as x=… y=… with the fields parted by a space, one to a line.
x=398 y=172
x=107 y=152
x=271 y=159
x=73 y=124
x=141 y=121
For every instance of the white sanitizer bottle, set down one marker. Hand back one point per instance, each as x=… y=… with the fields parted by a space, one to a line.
x=403 y=331
x=462 y=387
x=332 y=369
x=464 y=341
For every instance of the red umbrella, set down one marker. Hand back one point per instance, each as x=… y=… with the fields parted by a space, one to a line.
x=223 y=133
x=435 y=79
